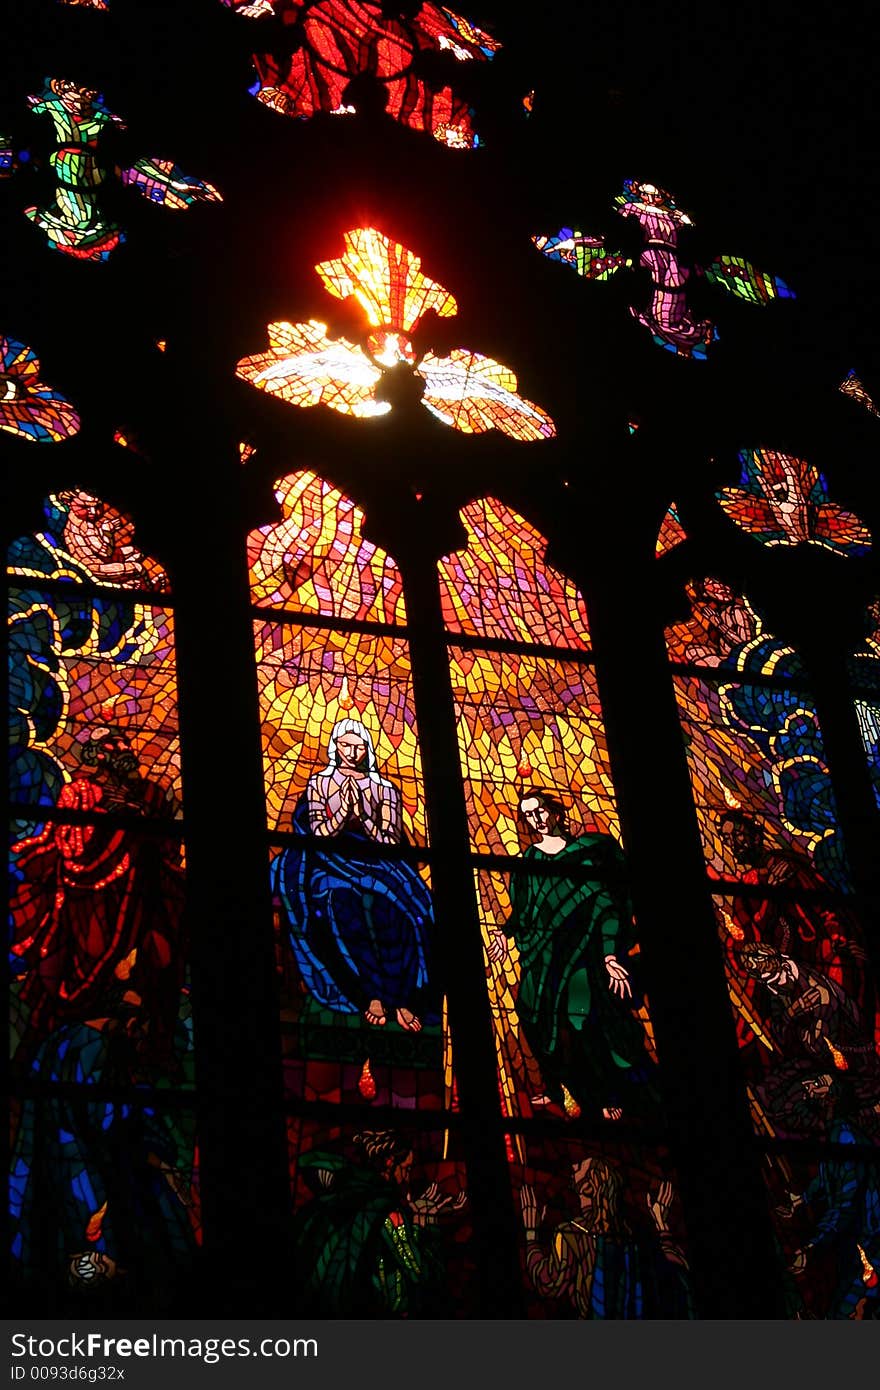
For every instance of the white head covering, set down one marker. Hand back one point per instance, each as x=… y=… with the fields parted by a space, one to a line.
x=353 y=726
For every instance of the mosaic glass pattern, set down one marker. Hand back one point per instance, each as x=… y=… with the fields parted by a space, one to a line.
x=571 y=1017
x=528 y=721
x=500 y=585
x=316 y=559
x=670 y=317
x=84 y=662
x=342 y=40
x=76 y=222
x=853 y=387
x=758 y=749
x=825 y=1214
x=363 y=1016
x=602 y=1233
x=801 y=993
x=311 y=679
x=381 y=1223
x=466 y=390
x=102 y=1191
x=103 y=1194
x=671 y=532
x=28 y=407
x=329 y=979
x=572 y=1029
x=783 y=500
x=82 y=665
x=724 y=630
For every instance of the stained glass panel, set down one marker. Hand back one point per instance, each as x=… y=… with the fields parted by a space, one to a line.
x=382 y=1226
x=602 y=1233
x=103 y=1191
x=316 y=560
x=501 y=586
x=864 y=675
x=825 y=1213
x=571 y=1019
x=77 y=222
x=341 y=40
x=28 y=407
x=311 y=680
x=336 y=1049
x=802 y=999
x=104 y=1195
x=671 y=532
x=853 y=386
x=466 y=390
x=525 y=721
x=756 y=757
x=782 y=500
x=83 y=669
x=671 y=316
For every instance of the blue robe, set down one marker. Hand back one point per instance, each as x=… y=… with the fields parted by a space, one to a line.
x=359 y=926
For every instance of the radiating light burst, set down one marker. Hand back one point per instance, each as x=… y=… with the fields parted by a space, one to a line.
x=466 y=390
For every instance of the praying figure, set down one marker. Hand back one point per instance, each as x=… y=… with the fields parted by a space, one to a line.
x=360 y=922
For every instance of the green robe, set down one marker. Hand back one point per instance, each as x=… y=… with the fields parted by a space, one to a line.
x=564 y=923
x=357 y=1250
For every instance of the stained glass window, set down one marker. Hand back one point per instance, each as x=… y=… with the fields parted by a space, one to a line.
x=340 y=41
x=804 y=1006
x=104 y=1163
x=570 y=1013
x=363 y=1017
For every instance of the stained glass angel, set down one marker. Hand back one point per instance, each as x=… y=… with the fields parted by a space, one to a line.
x=465 y=389
x=783 y=500
x=670 y=317
x=76 y=223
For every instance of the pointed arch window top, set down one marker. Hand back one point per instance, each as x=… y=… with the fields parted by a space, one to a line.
x=317 y=560
x=500 y=585
x=28 y=407
x=782 y=500
x=465 y=389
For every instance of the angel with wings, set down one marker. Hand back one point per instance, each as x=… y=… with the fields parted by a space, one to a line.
x=669 y=317
x=783 y=500
x=76 y=222
x=465 y=389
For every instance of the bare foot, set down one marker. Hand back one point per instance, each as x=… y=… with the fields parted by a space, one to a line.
x=542 y=1100
x=375 y=1013
x=407 y=1019
x=612 y=1112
